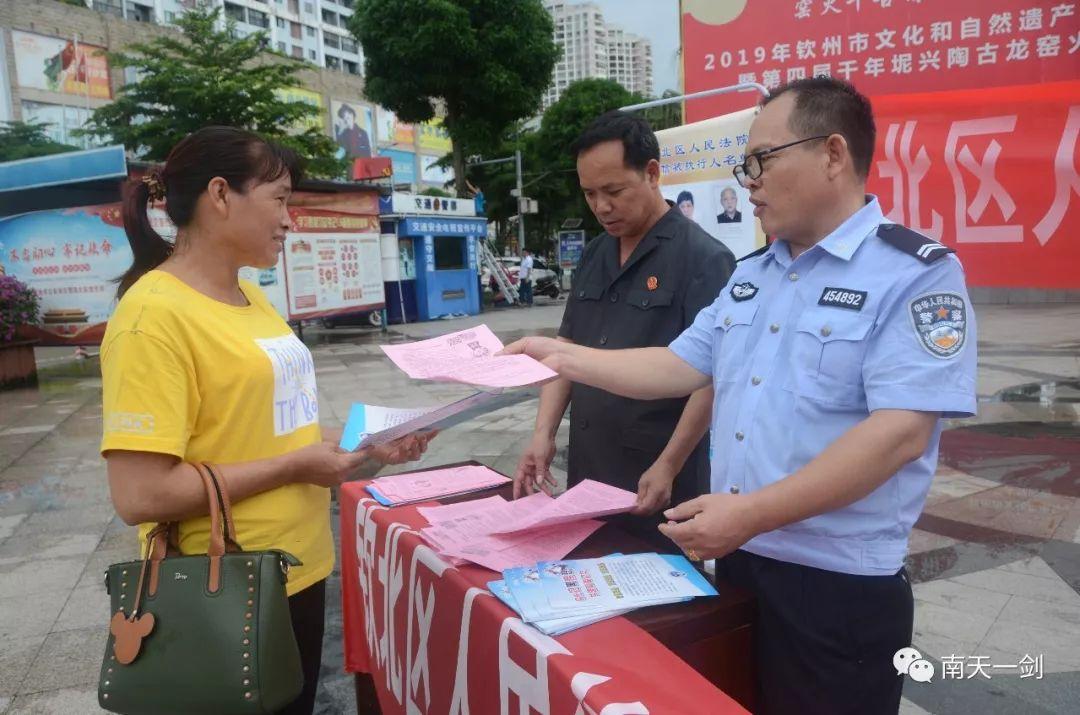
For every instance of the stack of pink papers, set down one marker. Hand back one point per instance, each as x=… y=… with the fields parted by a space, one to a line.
x=413 y=487
x=498 y=534
x=467 y=356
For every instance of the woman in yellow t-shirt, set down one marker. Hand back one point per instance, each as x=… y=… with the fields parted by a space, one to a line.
x=197 y=366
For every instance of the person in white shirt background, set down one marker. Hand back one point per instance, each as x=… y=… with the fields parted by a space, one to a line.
x=525 y=278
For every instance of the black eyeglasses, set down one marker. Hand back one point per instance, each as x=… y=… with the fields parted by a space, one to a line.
x=753 y=165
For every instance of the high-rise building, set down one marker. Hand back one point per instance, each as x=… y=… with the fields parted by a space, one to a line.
x=630 y=61
x=312 y=30
x=593 y=48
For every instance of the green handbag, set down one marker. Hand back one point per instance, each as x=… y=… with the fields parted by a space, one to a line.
x=200 y=633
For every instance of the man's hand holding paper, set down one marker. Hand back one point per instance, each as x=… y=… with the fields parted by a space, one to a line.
x=470 y=356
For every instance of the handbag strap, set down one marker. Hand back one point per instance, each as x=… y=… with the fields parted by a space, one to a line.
x=231 y=544
x=160 y=537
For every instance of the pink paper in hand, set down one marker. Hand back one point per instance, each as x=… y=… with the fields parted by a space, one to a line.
x=467 y=356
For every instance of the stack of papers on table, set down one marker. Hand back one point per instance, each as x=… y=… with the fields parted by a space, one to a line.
x=500 y=534
x=412 y=487
x=558 y=596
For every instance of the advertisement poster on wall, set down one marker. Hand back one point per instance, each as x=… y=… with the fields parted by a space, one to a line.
x=695 y=172
x=332 y=263
x=434 y=138
x=312 y=99
x=434 y=174
x=352 y=128
x=61 y=65
x=975 y=103
x=72 y=257
x=404 y=165
x=393 y=131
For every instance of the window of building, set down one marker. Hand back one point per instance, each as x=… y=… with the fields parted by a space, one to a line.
x=333 y=63
x=235 y=12
x=295 y=31
x=351 y=67
x=280 y=22
x=282 y=48
x=329 y=17
x=109 y=7
x=170 y=17
x=310 y=31
x=309 y=8
x=259 y=19
x=294 y=7
x=331 y=40
x=139 y=13
x=449 y=253
x=313 y=55
x=298 y=52
x=348 y=45
x=61 y=121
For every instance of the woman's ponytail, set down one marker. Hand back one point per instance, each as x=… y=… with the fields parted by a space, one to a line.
x=148 y=248
x=242 y=158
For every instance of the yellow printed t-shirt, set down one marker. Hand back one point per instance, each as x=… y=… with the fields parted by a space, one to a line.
x=187 y=375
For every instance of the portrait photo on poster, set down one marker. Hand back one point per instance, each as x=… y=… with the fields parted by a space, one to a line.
x=728 y=201
x=718 y=207
x=352 y=128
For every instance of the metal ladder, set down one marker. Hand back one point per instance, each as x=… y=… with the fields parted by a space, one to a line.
x=502 y=276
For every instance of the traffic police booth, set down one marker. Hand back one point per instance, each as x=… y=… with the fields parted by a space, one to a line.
x=433 y=242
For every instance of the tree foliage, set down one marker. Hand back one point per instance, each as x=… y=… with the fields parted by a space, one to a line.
x=485 y=63
x=207 y=76
x=25 y=140
x=665 y=116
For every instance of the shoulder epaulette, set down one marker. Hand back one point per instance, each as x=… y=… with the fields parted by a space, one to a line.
x=755 y=254
x=912 y=243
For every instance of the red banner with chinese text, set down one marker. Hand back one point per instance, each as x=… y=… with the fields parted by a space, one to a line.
x=977 y=108
x=437 y=641
x=990 y=172
x=882 y=46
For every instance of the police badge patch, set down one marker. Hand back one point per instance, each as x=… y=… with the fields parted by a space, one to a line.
x=940 y=322
x=743 y=291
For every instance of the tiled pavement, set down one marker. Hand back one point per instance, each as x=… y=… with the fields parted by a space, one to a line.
x=995 y=558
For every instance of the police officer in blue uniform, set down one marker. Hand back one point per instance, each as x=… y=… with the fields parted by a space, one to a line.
x=834 y=353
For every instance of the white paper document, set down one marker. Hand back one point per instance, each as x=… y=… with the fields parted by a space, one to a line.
x=372 y=425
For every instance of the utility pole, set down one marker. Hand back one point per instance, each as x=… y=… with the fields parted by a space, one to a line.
x=521 y=196
x=516 y=158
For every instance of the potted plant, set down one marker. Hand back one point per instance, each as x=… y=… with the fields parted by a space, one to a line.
x=19 y=306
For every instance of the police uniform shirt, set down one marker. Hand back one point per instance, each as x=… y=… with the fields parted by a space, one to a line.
x=873 y=317
x=676 y=270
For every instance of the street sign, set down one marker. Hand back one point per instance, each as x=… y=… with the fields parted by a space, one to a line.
x=571 y=244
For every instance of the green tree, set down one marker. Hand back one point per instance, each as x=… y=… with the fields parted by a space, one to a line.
x=209 y=77
x=24 y=140
x=666 y=115
x=484 y=63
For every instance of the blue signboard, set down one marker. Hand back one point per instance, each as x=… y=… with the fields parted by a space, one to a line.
x=435 y=226
x=571 y=244
x=404 y=165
